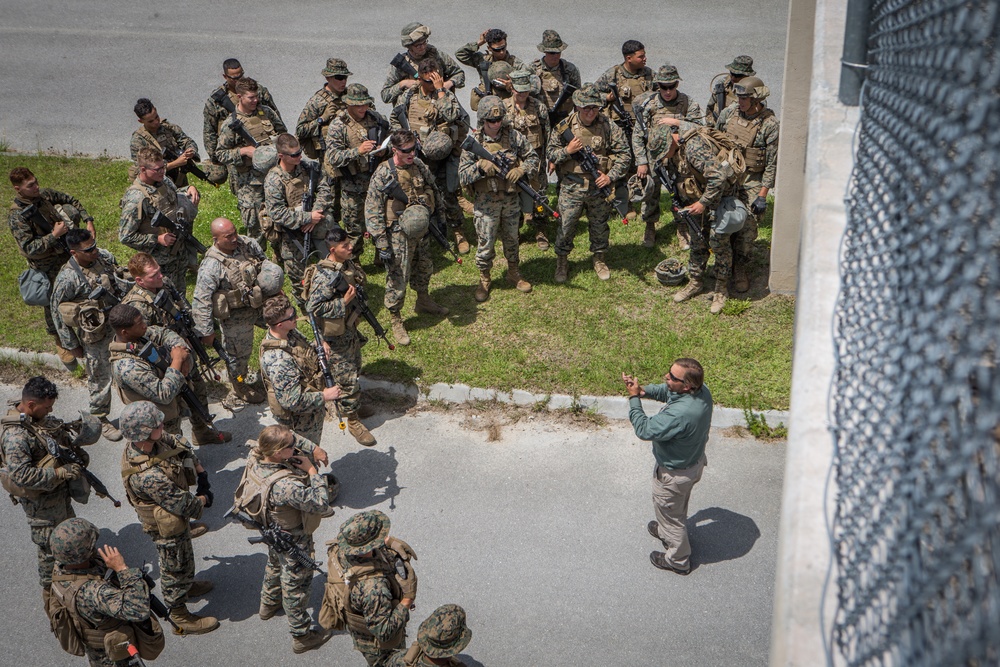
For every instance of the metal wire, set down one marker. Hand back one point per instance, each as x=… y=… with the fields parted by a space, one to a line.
x=916 y=396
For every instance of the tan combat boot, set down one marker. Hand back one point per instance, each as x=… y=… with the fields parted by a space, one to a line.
x=600 y=267
x=719 y=298
x=359 y=430
x=741 y=283
x=562 y=268
x=463 y=245
x=268 y=611
x=192 y=624
x=483 y=288
x=515 y=279
x=467 y=206
x=425 y=304
x=310 y=640
x=649 y=237
x=398 y=330
x=694 y=287
x=684 y=237
x=65 y=356
x=541 y=240
x=203 y=434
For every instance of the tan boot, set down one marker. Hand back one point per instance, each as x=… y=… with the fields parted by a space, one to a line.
x=203 y=434
x=649 y=237
x=398 y=330
x=562 y=268
x=359 y=430
x=467 y=206
x=741 y=283
x=425 y=304
x=463 y=245
x=694 y=287
x=65 y=356
x=197 y=530
x=541 y=240
x=515 y=279
x=684 y=237
x=192 y=624
x=483 y=288
x=268 y=611
x=310 y=640
x=719 y=299
x=600 y=268
x=109 y=431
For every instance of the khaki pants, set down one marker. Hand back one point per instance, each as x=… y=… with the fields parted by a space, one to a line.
x=671 y=492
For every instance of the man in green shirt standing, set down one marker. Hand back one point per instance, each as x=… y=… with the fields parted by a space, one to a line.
x=679 y=433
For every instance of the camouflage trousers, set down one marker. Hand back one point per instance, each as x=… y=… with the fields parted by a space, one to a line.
x=352 y=206
x=411 y=263
x=98 y=658
x=250 y=199
x=573 y=199
x=175 y=266
x=287 y=583
x=237 y=338
x=307 y=424
x=176 y=567
x=345 y=364
x=97 y=362
x=375 y=656
x=649 y=206
x=41 y=530
x=720 y=247
x=291 y=249
x=452 y=211
x=743 y=240
x=497 y=214
x=50 y=327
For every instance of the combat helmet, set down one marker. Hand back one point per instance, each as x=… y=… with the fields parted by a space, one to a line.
x=499 y=70
x=437 y=145
x=270 y=278
x=491 y=107
x=444 y=633
x=415 y=221
x=89 y=431
x=363 y=533
x=638 y=188
x=72 y=541
x=264 y=157
x=138 y=420
x=670 y=272
x=413 y=32
x=659 y=141
x=751 y=86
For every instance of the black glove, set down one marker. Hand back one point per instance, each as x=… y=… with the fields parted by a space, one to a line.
x=759 y=205
x=385 y=255
x=204 y=489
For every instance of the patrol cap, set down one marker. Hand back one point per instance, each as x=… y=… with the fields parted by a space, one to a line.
x=588 y=96
x=551 y=42
x=490 y=108
x=336 y=67
x=751 y=86
x=138 y=420
x=501 y=69
x=741 y=66
x=666 y=74
x=444 y=633
x=72 y=541
x=414 y=32
x=356 y=95
x=521 y=81
x=362 y=533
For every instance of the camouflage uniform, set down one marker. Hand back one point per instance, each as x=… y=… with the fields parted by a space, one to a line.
x=215 y=114
x=411 y=259
x=630 y=86
x=471 y=55
x=450 y=71
x=741 y=66
x=43 y=251
x=237 y=328
x=553 y=79
x=74 y=284
x=441 y=637
x=533 y=122
x=263 y=124
x=319 y=111
x=497 y=203
x=294 y=384
x=139 y=204
x=168 y=137
x=283 y=192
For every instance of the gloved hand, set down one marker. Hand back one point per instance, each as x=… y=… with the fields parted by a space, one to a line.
x=759 y=205
x=204 y=488
x=68 y=472
x=514 y=175
x=404 y=550
x=488 y=167
x=209 y=498
x=409 y=584
x=385 y=255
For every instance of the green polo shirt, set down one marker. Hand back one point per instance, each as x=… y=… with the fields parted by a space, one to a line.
x=679 y=431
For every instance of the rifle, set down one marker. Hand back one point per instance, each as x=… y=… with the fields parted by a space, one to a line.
x=308 y=200
x=277 y=538
x=156 y=605
x=239 y=128
x=101 y=292
x=157 y=358
x=360 y=302
x=504 y=165
x=324 y=366
x=719 y=92
x=170 y=301
x=625 y=120
x=31 y=212
x=400 y=62
x=221 y=97
x=380 y=135
x=393 y=189
x=484 y=77
x=554 y=114
x=67 y=455
x=171 y=154
x=670 y=184
x=180 y=228
x=588 y=160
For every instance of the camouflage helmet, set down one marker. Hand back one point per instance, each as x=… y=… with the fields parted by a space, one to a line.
x=90 y=430
x=264 y=157
x=437 y=145
x=69 y=213
x=670 y=272
x=363 y=533
x=667 y=74
x=414 y=32
x=357 y=95
x=588 y=96
x=217 y=173
x=270 y=278
x=751 y=86
x=638 y=187
x=660 y=140
x=499 y=70
x=138 y=420
x=490 y=107
x=444 y=633
x=72 y=542
x=415 y=221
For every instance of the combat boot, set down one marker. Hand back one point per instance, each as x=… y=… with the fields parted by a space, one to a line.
x=483 y=288
x=463 y=245
x=684 y=237
x=65 y=356
x=719 y=298
x=649 y=237
x=109 y=431
x=359 y=430
x=515 y=279
x=198 y=529
x=542 y=240
x=425 y=304
x=467 y=206
x=204 y=434
x=310 y=640
x=562 y=268
x=192 y=624
x=694 y=287
x=268 y=611
x=600 y=268
x=398 y=330
x=741 y=283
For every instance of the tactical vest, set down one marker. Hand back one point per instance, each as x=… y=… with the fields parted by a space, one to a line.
x=65 y=588
x=659 y=109
x=117 y=352
x=253 y=495
x=552 y=86
x=495 y=184
x=305 y=359
x=340 y=583
x=164 y=139
x=295 y=185
x=313 y=145
x=48 y=211
x=178 y=467
x=417 y=190
x=261 y=129
x=528 y=122
x=597 y=137
x=142 y=299
x=422 y=115
x=691 y=182
x=630 y=87
x=85 y=314
x=163 y=199
x=744 y=131
x=40 y=457
x=238 y=282
x=332 y=327
x=357 y=134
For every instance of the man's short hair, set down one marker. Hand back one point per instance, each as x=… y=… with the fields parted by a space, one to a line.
x=19 y=175
x=143 y=107
x=79 y=236
x=494 y=35
x=275 y=308
x=336 y=235
x=694 y=374
x=148 y=156
x=123 y=316
x=400 y=138
x=286 y=143
x=231 y=63
x=428 y=65
x=246 y=85
x=631 y=46
x=140 y=264
x=39 y=388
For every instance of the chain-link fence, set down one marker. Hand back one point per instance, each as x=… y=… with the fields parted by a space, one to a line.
x=916 y=396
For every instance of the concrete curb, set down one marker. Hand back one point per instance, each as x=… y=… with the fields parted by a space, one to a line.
x=612 y=407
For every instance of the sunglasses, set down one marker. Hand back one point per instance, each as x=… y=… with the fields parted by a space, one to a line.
x=287 y=319
x=674 y=377
x=339 y=77
x=90 y=249
x=668 y=86
x=297 y=153
x=498 y=49
x=406 y=150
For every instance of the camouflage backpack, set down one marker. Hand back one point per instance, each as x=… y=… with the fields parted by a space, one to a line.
x=727 y=151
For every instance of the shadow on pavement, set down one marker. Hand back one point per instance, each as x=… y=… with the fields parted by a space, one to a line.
x=235 y=603
x=368 y=477
x=718 y=535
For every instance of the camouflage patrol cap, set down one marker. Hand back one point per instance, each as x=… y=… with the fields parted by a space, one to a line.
x=336 y=67
x=552 y=42
x=588 y=96
x=741 y=66
x=138 y=420
x=357 y=95
x=444 y=633
x=437 y=145
x=660 y=140
x=666 y=74
x=521 y=81
x=415 y=221
x=362 y=533
x=499 y=70
x=490 y=108
x=751 y=86
x=414 y=32
x=72 y=541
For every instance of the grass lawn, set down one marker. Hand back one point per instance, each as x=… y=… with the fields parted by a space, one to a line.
x=573 y=339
